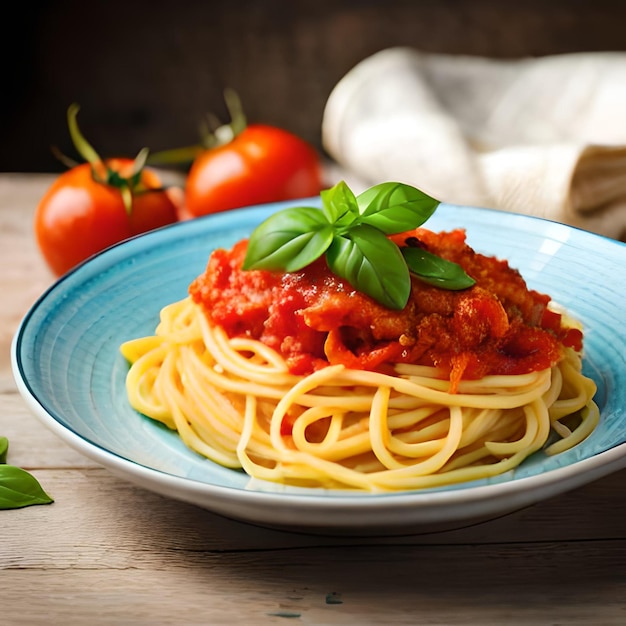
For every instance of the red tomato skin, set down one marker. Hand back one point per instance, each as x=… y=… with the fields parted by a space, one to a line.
x=78 y=217
x=262 y=164
x=152 y=209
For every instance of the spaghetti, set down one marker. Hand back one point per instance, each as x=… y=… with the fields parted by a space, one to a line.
x=394 y=426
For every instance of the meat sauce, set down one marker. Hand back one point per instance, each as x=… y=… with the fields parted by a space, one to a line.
x=313 y=318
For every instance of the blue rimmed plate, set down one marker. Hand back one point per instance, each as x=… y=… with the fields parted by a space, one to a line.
x=68 y=367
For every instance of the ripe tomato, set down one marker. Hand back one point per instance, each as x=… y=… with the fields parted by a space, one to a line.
x=79 y=216
x=260 y=164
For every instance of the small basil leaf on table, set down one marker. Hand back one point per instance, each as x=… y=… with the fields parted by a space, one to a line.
x=19 y=488
x=4 y=449
x=372 y=264
x=395 y=207
x=436 y=271
x=289 y=240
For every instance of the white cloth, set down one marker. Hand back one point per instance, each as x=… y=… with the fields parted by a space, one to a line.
x=541 y=136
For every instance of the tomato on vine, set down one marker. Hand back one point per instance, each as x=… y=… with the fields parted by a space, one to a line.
x=96 y=204
x=240 y=165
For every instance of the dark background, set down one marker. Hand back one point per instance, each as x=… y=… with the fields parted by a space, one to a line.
x=146 y=73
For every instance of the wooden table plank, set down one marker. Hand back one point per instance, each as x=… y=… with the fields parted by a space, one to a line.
x=484 y=584
x=92 y=503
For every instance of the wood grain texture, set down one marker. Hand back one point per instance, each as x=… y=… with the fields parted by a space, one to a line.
x=108 y=553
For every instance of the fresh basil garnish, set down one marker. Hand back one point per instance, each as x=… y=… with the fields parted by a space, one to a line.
x=339 y=205
x=18 y=488
x=395 y=208
x=352 y=232
x=436 y=271
x=289 y=240
x=364 y=256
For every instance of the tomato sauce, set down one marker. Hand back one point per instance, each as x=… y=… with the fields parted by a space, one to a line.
x=314 y=318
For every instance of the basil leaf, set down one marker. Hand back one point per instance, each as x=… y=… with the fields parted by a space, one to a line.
x=18 y=489
x=4 y=449
x=289 y=240
x=372 y=264
x=436 y=271
x=395 y=207
x=339 y=204
x=352 y=232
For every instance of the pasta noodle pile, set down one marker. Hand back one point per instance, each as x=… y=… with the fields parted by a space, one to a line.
x=234 y=401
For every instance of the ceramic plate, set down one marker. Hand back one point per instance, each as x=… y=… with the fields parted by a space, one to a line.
x=68 y=367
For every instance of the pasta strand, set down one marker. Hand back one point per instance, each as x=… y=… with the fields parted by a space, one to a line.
x=235 y=402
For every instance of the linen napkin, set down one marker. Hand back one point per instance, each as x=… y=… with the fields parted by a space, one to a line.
x=542 y=136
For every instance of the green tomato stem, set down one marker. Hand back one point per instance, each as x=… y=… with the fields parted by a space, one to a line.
x=212 y=134
x=139 y=163
x=127 y=198
x=238 y=121
x=176 y=156
x=101 y=173
x=83 y=147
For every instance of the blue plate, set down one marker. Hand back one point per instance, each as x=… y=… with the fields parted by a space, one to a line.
x=68 y=367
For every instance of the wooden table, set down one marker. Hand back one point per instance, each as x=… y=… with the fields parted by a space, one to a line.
x=106 y=552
